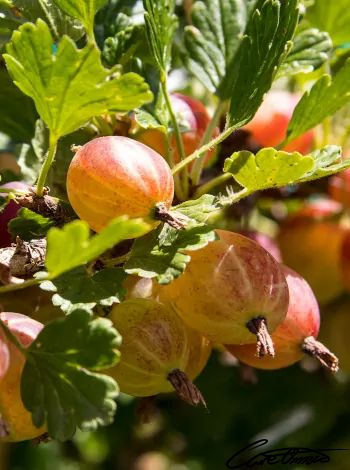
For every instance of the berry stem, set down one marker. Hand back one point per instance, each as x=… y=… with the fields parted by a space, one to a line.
x=19 y=286
x=40 y=187
x=198 y=164
x=318 y=350
x=12 y=338
x=224 y=134
x=264 y=346
x=207 y=187
x=178 y=137
x=185 y=389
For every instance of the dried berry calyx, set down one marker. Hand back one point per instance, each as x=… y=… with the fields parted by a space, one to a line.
x=264 y=345
x=185 y=389
x=319 y=351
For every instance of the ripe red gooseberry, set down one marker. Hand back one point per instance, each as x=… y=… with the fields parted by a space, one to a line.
x=295 y=335
x=15 y=421
x=233 y=291
x=265 y=241
x=270 y=123
x=345 y=261
x=113 y=176
x=193 y=119
x=9 y=212
x=339 y=187
x=159 y=353
x=313 y=249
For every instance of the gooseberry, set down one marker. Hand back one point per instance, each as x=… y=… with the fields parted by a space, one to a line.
x=9 y=212
x=33 y=302
x=193 y=119
x=265 y=241
x=339 y=187
x=159 y=353
x=313 y=249
x=295 y=335
x=269 y=125
x=345 y=261
x=15 y=421
x=112 y=176
x=232 y=291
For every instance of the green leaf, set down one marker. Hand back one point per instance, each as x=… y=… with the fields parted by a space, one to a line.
x=58 y=22
x=333 y=17
x=266 y=43
x=71 y=246
x=127 y=43
x=235 y=47
x=161 y=24
x=18 y=115
x=212 y=40
x=77 y=287
x=161 y=253
x=57 y=384
x=199 y=209
x=269 y=168
x=310 y=50
x=147 y=121
x=327 y=161
x=110 y=19
x=324 y=99
x=28 y=225
x=84 y=11
x=71 y=86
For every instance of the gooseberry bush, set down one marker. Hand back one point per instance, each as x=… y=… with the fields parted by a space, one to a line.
x=165 y=160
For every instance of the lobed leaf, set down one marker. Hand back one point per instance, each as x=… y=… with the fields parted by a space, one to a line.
x=70 y=86
x=72 y=246
x=57 y=384
x=266 y=43
x=84 y=11
x=268 y=168
x=77 y=288
x=213 y=38
x=161 y=253
x=28 y=225
x=271 y=168
x=327 y=161
x=161 y=24
x=324 y=99
x=58 y=22
x=310 y=50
